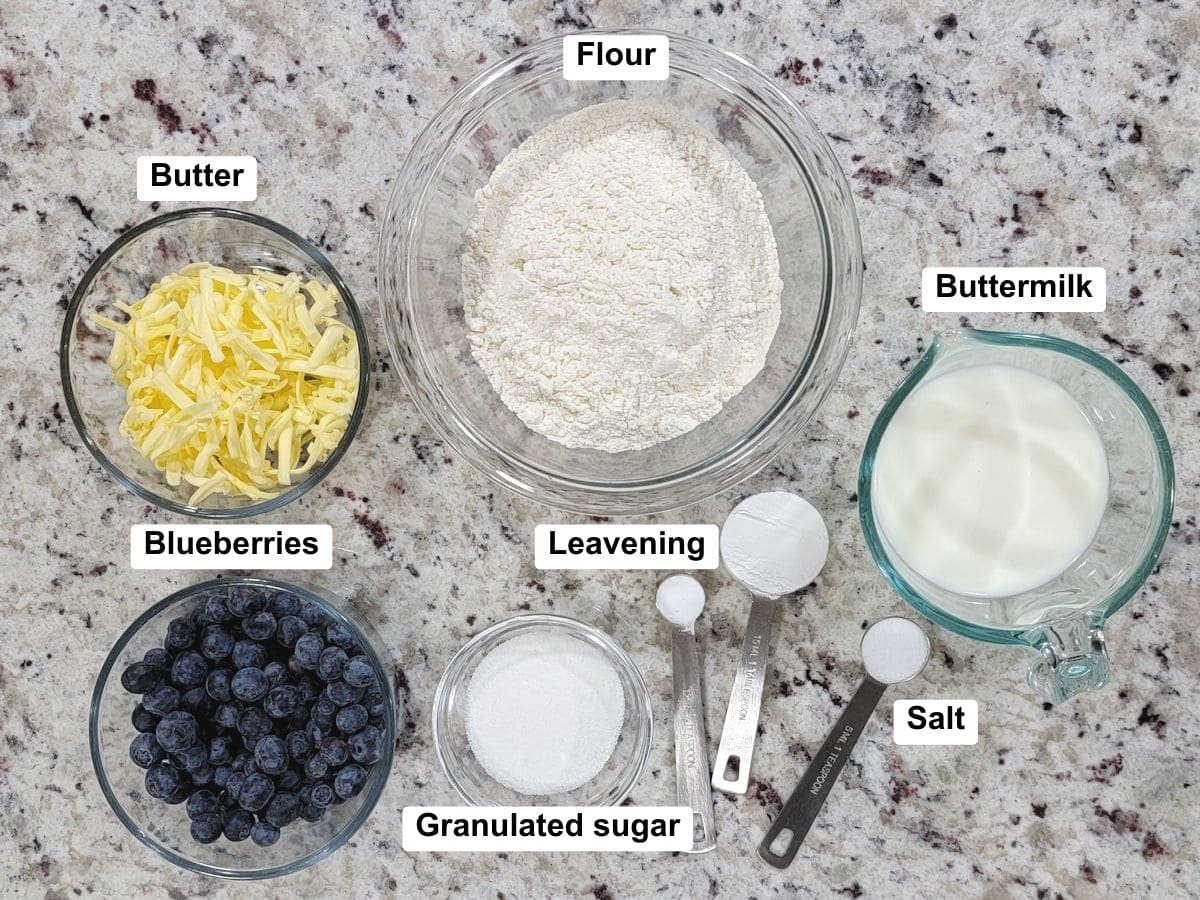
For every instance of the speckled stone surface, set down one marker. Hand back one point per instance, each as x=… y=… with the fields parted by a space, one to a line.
x=1015 y=133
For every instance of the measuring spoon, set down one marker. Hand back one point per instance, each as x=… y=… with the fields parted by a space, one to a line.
x=681 y=600
x=893 y=650
x=773 y=544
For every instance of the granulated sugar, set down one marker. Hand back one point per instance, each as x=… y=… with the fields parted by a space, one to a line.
x=544 y=712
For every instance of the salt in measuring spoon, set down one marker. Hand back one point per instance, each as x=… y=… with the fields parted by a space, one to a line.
x=773 y=544
x=681 y=600
x=893 y=650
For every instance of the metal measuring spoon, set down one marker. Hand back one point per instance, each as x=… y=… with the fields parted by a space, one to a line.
x=773 y=544
x=893 y=650
x=681 y=600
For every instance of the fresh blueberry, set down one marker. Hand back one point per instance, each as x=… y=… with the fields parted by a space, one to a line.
x=291 y=629
x=342 y=694
x=298 y=744
x=244 y=758
x=289 y=780
x=234 y=785
x=238 y=825
x=308 y=650
x=191 y=758
x=162 y=781
x=276 y=673
x=367 y=746
x=349 y=781
x=217 y=684
x=352 y=719
x=157 y=658
x=249 y=684
x=322 y=795
x=284 y=603
x=249 y=655
x=316 y=767
x=162 y=700
x=312 y=813
x=139 y=677
x=332 y=662
x=359 y=672
x=226 y=715
x=283 y=809
x=206 y=828
x=310 y=689
x=312 y=614
x=189 y=669
x=215 y=610
x=256 y=792
x=216 y=642
x=253 y=723
x=264 y=834
x=315 y=733
x=334 y=751
x=145 y=751
x=339 y=635
x=176 y=731
x=220 y=750
x=201 y=802
x=203 y=775
x=244 y=601
x=221 y=775
x=375 y=702
x=282 y=701
x=259 y=626
x=271 y=755
x=322 y=717
x=180 y=634
x=198 y=703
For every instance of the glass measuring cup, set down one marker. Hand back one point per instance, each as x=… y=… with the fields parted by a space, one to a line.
x=1063 y=619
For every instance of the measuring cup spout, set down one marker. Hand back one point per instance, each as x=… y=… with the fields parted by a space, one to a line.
x=1073 y=659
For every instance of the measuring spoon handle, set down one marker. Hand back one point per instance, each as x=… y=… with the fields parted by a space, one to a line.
x=805 y=802
x=745 y=700
x=691 y=744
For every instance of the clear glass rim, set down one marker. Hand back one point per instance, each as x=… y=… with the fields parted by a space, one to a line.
x=370 y=797
x=452 y=679
x=306 y=249
x=1163 y=458
x=742 y=457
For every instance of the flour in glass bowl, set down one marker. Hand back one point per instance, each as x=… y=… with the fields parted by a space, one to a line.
x=621 y=280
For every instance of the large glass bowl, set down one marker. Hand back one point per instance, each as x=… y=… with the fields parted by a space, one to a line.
x=164 y=828
x=125 y=271
x=421 y=243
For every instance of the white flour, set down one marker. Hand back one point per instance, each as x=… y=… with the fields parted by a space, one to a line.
x=621 y=278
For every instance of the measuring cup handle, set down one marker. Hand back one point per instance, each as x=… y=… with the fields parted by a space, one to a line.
x=741 y=717
x=1073 y=659
x=805 y=802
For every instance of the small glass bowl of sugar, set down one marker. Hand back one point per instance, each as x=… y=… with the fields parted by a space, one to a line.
x=540 y=710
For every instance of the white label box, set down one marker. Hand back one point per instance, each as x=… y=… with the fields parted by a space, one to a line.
x=935 y=722
x=230 y=546
x=205 y=178
x=616 y=57
x=626 y=546
x=1017 y=289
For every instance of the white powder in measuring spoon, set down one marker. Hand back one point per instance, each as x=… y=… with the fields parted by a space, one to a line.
x=774 y=543
x=544 y=712
x=894 y=650
x=620 y=279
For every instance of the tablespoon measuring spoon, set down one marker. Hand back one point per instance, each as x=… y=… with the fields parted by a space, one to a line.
x=893 y=650
x=773 y=544
x=681 y=600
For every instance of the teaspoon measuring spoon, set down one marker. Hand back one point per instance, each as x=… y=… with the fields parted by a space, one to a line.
x=893 y=650
x=681 y=600
x=773 y=544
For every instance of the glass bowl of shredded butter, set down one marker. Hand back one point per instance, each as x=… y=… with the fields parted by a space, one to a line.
x=620 y=297
x=214 y=363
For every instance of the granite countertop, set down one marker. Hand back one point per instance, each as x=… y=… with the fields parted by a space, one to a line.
x=986 y=133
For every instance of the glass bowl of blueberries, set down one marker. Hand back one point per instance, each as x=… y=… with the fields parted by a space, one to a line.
x=243 y=727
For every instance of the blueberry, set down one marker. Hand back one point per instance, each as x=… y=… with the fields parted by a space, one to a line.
x=253 y=723
x=316 y=767
x=234 y=785
x=176 y=731
x=216 y=642
x=140 y=677
x=162 y=700
x=264 y=834
x=162 y=781
x=157 y=658
x=349 y=781
x=226 y=715
x=375 y=702
x=297 y=744
x=334 y=751
x=221 y=775
x=367 y=746
x=352 y=719
x=201 y=802
x=217 y=684
x=203 y=775
x=308 y=650
x=342 y=694
x=283 y=810
x=189 y=669
x=244 y=601
x=271 y=755
x=322 y=795
x=339 y=635
x=215 y=610
x=359 y=672
x=282 y=701
x=198 y=703
x=322 y=717
x=310 y=689
x=248 y=655
x=291 y=629
x=315 y=733
x=312 y=813
x=206 y=828
x=256 y=792
x=220 y=750
x=238 y=825
x=145 y=751
x=312 y=614
x=284 y=603
x=259 y=626
x=180 y=634
x=191 y=758
x=243 y=759
x=249 y=684
x=289 y=780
